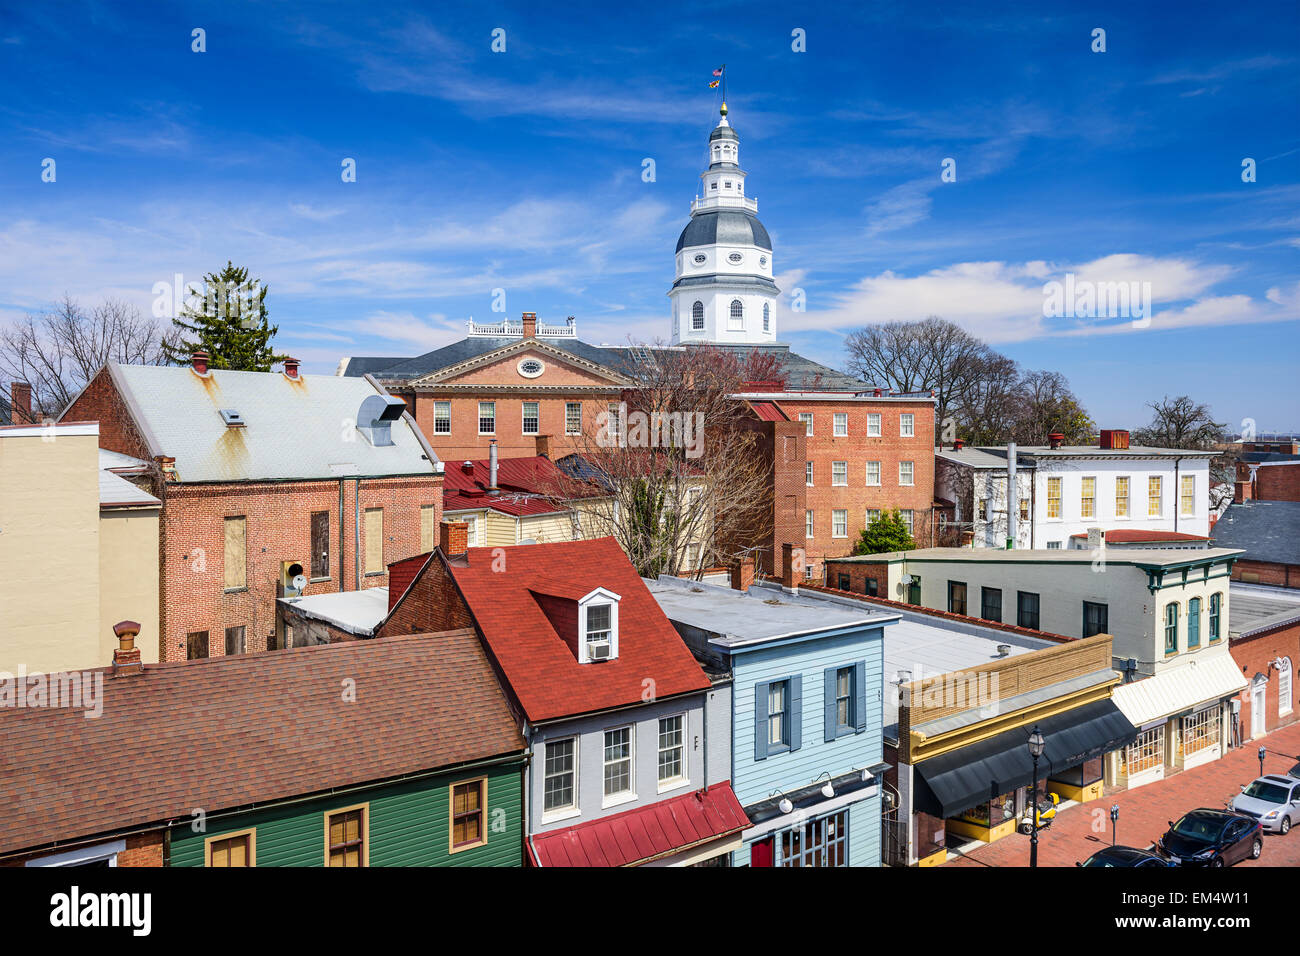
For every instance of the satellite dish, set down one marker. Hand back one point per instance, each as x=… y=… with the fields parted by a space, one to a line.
x=906 y=579
x=300 y=583
x=529 y=541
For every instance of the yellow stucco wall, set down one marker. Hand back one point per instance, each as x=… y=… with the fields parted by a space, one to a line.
x=128 y=578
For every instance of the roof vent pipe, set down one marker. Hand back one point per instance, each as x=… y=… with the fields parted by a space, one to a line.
x=492 y=468
x=375 y=418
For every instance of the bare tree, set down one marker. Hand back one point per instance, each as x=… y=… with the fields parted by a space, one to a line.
x=1048 y=405
x=686 y=483
x=59 y=350
x=1180 y=423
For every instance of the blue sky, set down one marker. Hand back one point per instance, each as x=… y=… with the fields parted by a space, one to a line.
x=522 y=171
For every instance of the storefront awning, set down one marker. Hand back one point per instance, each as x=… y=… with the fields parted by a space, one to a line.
x=957 y=780
x=1179 y=689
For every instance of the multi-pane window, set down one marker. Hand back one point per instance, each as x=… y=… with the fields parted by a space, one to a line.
x=808 y=524
x=672 y=748
x=991 y=604
x=573 y=418
x=697 y=316
x=1153 y=496
x=618 y=761
x=907 y=515
x=235 y=642
x=612 y=423
x=1215 y=603
x=599 y=626
x=320 y=545
x=1284 y=690
x=905 y=471
x=1146 y=752
x=1088 y=497
x=1121 y=497
x=767 y=317
x=1171 y=628
x=231 y=851
x=839 y=473
x=442 y=418
x=957 y=597
x=560 y=774
x=983 y=509
x=778 y=720
x=873 y=473
x=1053 y=497
x=1187 y=495
x=532 y=418
x=872 y=515
x=808 y=473
x=347 y=838
x=844 y=697
x=820 y=842
x=1201 y=731
x=487 y=418
x=235 y=567
x=467 y=814
x=1193 y=623
x=1096 y=618
x=873 y=424
x=1024 y=509
x=907 y=425
x=1027 y=609
x=839 y=523
x=807 y=419
x=736 y=321
x=841 y=424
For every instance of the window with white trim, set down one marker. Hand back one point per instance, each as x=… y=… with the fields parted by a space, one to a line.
x=908 y=518
x=905 y=472
x=907 y=425
x=839 y=523
x=618 y=761
x=767 y=317
x=807 y=419
x=442 y=418
x=487 y=418
x=808 y=524
x=1187 y=495
x=736 y=319
x=873 y=424
x=560 y=775
x=873 y=473
x=808 y=473
x=839 y=473
x=1284 y=688
x=573 y=418
x=672 y=749
x=841 y=424
x=532 y=417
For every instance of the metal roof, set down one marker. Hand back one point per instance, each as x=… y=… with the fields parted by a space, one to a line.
x=1138 y=556
x=1201 y=679
x=1265 y=530
x=1256 y=608
x=730 y=226
x=294 y=428
x=357 y=612
x=117 y=492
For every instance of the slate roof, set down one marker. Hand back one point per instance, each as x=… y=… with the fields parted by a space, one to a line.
x=227 y=732
x=542 y=671
x=1265 y=530
x=737 y=227
x=303 y=428
x=1268 y=457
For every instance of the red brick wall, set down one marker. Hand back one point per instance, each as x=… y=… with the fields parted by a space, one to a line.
x=1253 y=655
x=142 y=849
x=1278 y=482
x=858 y=574
x=465 y=442
x=100 y=402
x=278 y=527
x=1263 y=572
x=431 y=604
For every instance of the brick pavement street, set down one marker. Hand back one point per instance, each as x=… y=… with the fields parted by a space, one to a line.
x=1145 y=812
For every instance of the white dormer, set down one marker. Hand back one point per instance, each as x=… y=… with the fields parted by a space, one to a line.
x=598 y=626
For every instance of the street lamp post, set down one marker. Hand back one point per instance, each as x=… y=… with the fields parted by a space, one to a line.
x=1036 y=744
x=1114 y=821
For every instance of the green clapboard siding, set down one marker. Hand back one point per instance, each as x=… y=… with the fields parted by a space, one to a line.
x=409 y=825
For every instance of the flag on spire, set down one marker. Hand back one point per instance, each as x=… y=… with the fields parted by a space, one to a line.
x=717 y=72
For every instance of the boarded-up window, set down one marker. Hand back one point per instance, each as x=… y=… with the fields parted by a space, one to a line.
x=374 y=540
x=320 y=544
x=196 y=645
x=235 y=640
x=236 y=559
x=428 y=529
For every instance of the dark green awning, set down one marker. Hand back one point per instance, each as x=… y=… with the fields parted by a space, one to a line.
x=955 y=781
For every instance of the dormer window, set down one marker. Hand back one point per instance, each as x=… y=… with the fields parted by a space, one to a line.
x=598 y=631
x=598 y=627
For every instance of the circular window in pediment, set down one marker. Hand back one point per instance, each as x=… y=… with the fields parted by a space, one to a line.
x=531 y=367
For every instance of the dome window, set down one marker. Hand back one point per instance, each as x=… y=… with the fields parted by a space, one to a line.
x=697 y=317
x=767 y=317
x=699 y=259
x=735 y=257
x=762 y=260
x=736 y=323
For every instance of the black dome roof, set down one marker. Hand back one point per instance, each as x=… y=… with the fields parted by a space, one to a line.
x=724 y=225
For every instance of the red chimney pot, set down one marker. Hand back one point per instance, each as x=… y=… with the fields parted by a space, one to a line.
x=200 y=362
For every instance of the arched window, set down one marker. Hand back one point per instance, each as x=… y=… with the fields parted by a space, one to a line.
x=697 y=317
x=1284 y=689
x=767 y=317
x=737 y=321
x=1216 y=601
x=1171 y=628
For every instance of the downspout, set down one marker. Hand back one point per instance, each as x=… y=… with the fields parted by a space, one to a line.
x=704 y=736
x=356 y=538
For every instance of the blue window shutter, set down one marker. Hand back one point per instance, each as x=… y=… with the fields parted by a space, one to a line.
x=796 y=711
x=860 y=696
x=829 y=717
x=760 y=721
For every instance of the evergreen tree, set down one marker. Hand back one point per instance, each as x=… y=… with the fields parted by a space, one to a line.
x=230 y=324
x=886 y=533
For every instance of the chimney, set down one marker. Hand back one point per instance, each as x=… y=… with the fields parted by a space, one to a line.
x=789 y=581
x=544 y=445
x=1055 y=440
x=467 y=467
x=958 y=444
x=1113 y=438
x=968 y=539
x=199 y=362
x=530 y=325
x=166 y=465
x=453 y=537
x=1241 y=492
x=126 y=659
x=877 y=393
x=291 y=368
x=20 y=403
x=742 y=573
x=492 y=469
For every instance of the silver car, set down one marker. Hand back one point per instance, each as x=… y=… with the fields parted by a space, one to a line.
x=1273 y=800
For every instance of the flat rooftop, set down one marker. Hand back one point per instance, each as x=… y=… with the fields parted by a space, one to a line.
x=1255 y=608
x=357 y=612
x=1156 y=556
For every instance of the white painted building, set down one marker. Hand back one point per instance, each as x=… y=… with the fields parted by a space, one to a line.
x=723 y=291
x=1065 y=490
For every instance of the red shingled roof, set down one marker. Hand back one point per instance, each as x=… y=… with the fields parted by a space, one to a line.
x=542 y=671
x=525 y=485
x=643 y=834
x=253 y=728
x=1136 y=535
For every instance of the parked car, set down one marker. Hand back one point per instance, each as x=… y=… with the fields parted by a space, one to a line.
x=1206 y=837
x=1273 y=800
x=1294 y=772
x=1124 y=856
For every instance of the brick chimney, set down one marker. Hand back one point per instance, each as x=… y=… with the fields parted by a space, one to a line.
x=453 y=537
x=530 y=325
x=199 y=362
x=1113 y=438
x=742 y=573
x=20 y=403
x=1055 y=440
x=166 y=465
x=291 y=368
x=1241 y=492
x=789 y=576
x=544 y=445
x=126 y=659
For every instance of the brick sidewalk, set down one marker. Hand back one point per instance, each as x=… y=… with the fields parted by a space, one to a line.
x=1144 y=813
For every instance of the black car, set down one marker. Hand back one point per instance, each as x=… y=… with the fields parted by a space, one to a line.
x=1124 y=856
x=1211 y=838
